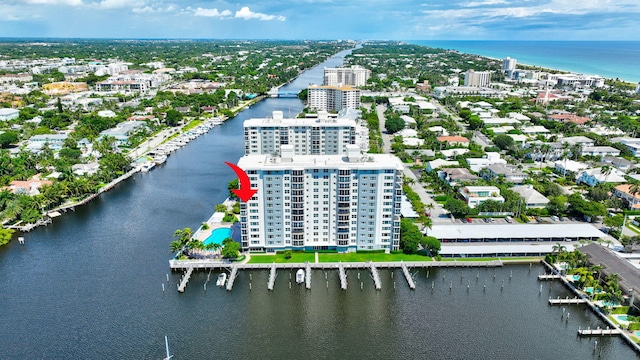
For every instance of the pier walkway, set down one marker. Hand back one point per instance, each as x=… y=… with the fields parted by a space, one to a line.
x=222 y=264
x=232 y=278
x=575 y=300
x=272 y=277
x=407 y=275
x=375 y=276
x=307 y=278
x=599 y=332
x=185 y=280
x=549 y=277
x=343 y=277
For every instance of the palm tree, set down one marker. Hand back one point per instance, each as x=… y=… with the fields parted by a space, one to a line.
x=606 y=171
x=175 y=246
x=183 y=235
x=558 y=249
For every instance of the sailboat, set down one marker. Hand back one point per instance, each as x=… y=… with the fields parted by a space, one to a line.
x=166 y=345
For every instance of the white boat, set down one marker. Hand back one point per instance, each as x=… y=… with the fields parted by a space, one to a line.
x=222 y=279
x=147 y=166
x=300 y=276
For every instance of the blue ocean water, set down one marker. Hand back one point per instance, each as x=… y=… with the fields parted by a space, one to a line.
x=611 y=59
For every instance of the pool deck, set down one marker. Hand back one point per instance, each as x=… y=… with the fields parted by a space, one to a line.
x=214 y=223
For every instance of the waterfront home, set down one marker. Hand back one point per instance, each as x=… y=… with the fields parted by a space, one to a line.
x=85 y=169
x=29 y=187
x=476 y=195
x=532 y=198
x=623 y=191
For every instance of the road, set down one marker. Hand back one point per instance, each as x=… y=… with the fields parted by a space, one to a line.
x=438 y=214
x=152 y=143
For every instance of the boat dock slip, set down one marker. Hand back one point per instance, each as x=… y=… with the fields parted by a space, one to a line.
x=185 y=280
x=559 y=301
x=308 y=276
x=548 y=277
x=599 y=332
x=232 y=278
x=343 y=277
x=272 y=277
x=405 y=271
x=221 y=264
x=376 y=277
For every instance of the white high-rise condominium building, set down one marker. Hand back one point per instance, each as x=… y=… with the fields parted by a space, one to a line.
x=318 y=202
x=509 y=64
x=477 y=78
x=332 y=98
x=354 y=76
x=321 y=135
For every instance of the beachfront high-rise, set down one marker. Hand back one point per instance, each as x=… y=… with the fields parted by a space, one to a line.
x=333 y=98
x=321 y=135
x=477 y=78
x=509 y=64
x=322 y=202
x=354 y=76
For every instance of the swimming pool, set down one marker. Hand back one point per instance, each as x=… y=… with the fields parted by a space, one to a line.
x=218 y=235
x=623 y=317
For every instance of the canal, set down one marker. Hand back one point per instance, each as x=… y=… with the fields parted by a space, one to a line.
x=89 y=286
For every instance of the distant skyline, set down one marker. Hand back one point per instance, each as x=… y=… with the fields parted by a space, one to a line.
x=324 y=19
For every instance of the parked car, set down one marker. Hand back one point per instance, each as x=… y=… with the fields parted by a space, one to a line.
x=509 y=219
x=486 y=220
x=469 y=220
x=538 y=219
x=560 y=218
x=464 y=220
x=554 y=218
x=492 y=220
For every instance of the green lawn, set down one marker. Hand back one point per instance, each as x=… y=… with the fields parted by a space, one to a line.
x=488 y=259
x=279 y=258
x=376 y=257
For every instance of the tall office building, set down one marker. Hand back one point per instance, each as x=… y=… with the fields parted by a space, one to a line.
x=354 y=76
x=322 y=202
x=477 y=78
x=321 y=135
x=333 y=98
x=508 y=64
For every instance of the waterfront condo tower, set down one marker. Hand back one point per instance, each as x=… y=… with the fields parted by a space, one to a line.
x=332 y=98
x=477 y=78
x=354 y=76
x=321 y=135
x=342 y=202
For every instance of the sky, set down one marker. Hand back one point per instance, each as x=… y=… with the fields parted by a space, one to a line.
x=324 y=19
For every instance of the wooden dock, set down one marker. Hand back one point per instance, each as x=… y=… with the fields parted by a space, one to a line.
x=272 y=277
x=549 y=277
x=375 y=276
x=307 y=278
x=599 y=332
x=232 y=278
x=575 y=300
x=343 y=277
x=223 y=264
x=185 y=280
x=407 y=275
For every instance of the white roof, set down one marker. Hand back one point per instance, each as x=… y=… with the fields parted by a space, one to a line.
x=7 y=111
x=534 y=129
x=408 y=119
x=492 y=231
x=530 y=195
x=475 y=249
x=406 y=209
x=412 y=141
x=439 y=162
x=365 y=161
x=407 y=133
x=498 y=121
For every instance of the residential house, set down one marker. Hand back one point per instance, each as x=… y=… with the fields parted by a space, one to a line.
x=439 y=130
x=85 y=169
x=569 y=167
x=631 y=143
x=534 y=130
x=579 y=120
x=453 y=176
x=532 y=198
x=438 y=163
x=54 y=141
x=511 y=173
x=452 y=153
x=600 y=151
x=123 y=130
x=623 y=191
x=29 y=187
x=578 y=140
x=9 y=114
x=618 y=162
x=454 y=140
x=476 y=195
x=477 y=164
x=593 y=177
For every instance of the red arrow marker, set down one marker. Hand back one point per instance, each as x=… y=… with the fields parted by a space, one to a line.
x=245 y=192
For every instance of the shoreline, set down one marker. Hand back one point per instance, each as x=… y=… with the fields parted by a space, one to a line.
x=541 y=67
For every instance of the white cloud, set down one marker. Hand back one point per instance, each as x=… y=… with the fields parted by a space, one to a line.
x=211 y=12
x=485 y=3
x=55 y=2
x=247 y=14
x=153 y=9
x=120 y=4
